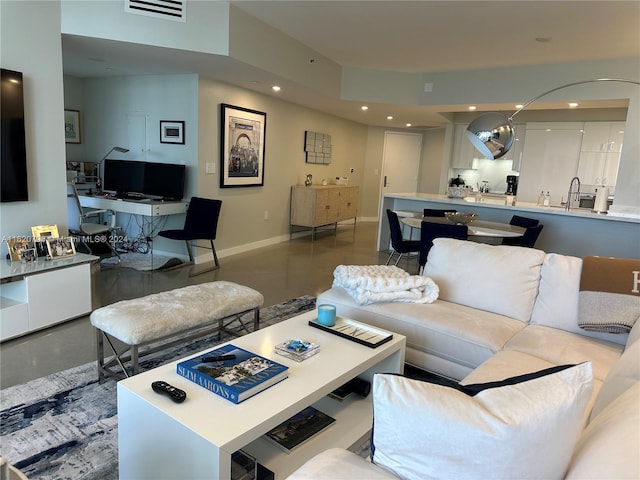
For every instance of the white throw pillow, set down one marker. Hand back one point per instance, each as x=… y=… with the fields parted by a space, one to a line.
x=494 y=278
x=509 y=429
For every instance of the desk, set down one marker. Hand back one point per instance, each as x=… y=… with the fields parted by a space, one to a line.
x=148 y=208
x=478 y=228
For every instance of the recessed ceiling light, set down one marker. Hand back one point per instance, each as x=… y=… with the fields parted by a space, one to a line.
x=472 y=107
x=519 y=106
x=543 y=39
x=408 y=124
x=573 y=105
x=275 y=88
x=389 y=117
x=364 y=108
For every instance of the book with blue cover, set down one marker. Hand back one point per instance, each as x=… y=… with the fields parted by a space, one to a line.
x=234 y=379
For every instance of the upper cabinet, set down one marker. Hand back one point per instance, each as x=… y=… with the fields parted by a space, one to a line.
x=600 y=152
x=463 y=150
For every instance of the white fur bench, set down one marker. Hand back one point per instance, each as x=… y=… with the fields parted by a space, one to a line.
x=168 y=318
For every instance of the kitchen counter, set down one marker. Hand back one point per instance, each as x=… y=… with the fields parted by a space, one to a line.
x=577 y=232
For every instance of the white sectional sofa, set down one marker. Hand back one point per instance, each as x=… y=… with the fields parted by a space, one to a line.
x=502 y=312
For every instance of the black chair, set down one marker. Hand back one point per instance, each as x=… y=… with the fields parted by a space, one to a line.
x=533 y=229
x=523 y=222
x=431 y=230
x=434 y=212
x=399 y=244
x=201 y=224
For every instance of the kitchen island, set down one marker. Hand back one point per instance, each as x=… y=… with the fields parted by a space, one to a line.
x=578 y=232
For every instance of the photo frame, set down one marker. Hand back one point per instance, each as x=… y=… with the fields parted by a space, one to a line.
x=39 y=231
x=242 y=147
x=60 y=247
x=72 y=129
x=16 y=246
x=172 y=131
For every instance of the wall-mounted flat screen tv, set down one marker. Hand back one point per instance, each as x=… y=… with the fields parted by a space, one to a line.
x=13 y=159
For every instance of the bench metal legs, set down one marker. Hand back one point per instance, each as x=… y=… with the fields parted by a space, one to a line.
x=115 y=366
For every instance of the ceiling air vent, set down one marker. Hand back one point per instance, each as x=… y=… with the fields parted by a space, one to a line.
x=168 y=9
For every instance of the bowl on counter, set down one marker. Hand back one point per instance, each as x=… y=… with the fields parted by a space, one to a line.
x=457 y=192
x=460 y=218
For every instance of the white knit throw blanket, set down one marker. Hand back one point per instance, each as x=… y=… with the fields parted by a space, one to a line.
x=380 y=283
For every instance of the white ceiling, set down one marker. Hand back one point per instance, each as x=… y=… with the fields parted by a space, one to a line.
x=399 y=36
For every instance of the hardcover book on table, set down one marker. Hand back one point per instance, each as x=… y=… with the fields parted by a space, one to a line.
x=296 y=430
x=234 y=379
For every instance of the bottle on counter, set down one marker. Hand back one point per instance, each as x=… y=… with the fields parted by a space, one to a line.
x=547 y=200
x=541 y=199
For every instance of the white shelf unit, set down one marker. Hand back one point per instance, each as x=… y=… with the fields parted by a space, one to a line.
x=38 y=294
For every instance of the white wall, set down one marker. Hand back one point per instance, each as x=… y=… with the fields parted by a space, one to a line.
x=38 y=55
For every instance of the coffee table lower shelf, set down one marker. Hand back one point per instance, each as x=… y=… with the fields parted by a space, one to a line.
x=351 y=428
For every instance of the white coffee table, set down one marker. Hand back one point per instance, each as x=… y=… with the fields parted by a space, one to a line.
x=194 y=440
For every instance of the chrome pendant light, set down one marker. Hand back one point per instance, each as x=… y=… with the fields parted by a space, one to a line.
x=492 y=134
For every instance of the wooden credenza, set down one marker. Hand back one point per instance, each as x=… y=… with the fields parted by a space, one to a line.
x=320 y=205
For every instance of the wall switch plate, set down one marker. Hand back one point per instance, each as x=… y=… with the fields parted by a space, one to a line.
x=210 y=167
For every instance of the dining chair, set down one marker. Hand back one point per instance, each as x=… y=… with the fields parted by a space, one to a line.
x=201 y=223
x=431 y=230
x=399 y=244
x=434 y=212
x=92 y=236
x=528 y=239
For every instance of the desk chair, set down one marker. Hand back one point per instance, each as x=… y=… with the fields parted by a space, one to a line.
x=100 y=241
x=399 y=244
x=201 y=224
x=431 y=230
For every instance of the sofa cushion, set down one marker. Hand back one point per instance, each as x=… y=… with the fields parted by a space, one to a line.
x=337 y=463
x=498 y=279
x=609 y=446
x=460 y=334
x=624 y=374
x=424 y=430
x=559 y=347
x=557 y=302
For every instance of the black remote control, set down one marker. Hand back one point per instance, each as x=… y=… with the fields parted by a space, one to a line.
x=170 y=391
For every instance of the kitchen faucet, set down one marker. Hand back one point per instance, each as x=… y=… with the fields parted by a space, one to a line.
x=572 y=192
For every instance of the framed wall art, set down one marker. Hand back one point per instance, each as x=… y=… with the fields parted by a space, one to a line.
x=72 y=132
x=242 y=147
x=172 y=131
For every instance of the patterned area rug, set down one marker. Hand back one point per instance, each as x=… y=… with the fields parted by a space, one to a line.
x=64 y=425
x=144 y=262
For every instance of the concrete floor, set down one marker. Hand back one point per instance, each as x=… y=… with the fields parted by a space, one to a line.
x=280 y=272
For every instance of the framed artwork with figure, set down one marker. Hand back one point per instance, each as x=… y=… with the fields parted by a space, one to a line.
x=242 y=147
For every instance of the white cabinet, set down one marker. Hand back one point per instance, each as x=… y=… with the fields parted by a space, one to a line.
x=550 y=160
x=463 y=150
x=600 y=153
x=38 y=294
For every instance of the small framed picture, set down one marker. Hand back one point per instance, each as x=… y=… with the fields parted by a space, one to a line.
x=172 y=131
x=17 y=245
x=28 y=255
x=40 y=231
x=72 y=133
x=61 y=247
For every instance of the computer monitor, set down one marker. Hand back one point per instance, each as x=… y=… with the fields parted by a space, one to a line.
x=124 y=176
x=164 y=180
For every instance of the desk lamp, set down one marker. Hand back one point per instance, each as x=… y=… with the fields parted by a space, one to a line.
x=492 y=134
x=114 y=149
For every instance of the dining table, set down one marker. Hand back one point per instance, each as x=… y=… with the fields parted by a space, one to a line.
x=481 y=229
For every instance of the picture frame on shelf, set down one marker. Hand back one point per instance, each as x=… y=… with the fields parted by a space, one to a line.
x=60 y=247
x=28 y=255
x=242 y=147
x=172 y=131
x=17 y=245
x=39 y=231
x=72 y=127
